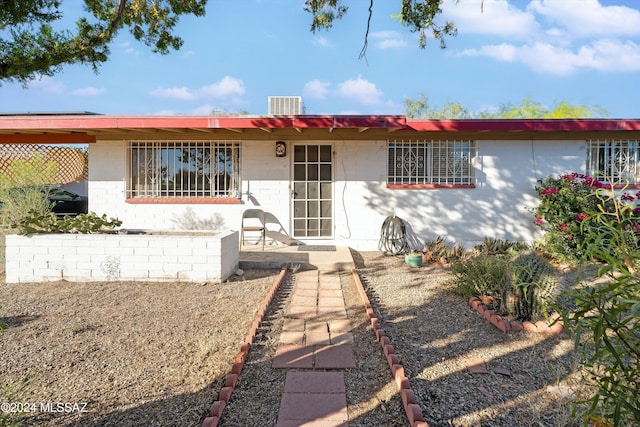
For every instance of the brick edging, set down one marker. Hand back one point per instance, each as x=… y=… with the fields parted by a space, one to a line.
x=412 y=409
x=230 y=380
x=507 y=326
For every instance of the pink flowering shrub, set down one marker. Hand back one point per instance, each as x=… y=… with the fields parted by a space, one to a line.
x=567 y=207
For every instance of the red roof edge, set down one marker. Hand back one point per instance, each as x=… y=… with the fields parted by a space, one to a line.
x=203 y=122
x=525 y=125
x=80 y=123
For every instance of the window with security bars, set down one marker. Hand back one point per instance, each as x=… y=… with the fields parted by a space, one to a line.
x=430 y=163
x=616 y=161
x=184 y=169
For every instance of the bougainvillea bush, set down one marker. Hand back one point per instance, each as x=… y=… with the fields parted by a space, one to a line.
x=567 y=205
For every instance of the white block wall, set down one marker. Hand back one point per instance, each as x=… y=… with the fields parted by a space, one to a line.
x=499 y=207
x=108 y=257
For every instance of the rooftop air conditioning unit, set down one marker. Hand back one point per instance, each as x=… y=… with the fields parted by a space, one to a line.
x=285 y=105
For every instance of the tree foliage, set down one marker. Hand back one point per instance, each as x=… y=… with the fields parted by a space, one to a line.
x=420 y=108
x=31 y=46
x=527 y=109
x=418 y=16
x=530 y=109
x=605 y=322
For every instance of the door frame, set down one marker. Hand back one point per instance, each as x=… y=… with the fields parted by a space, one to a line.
x=292 y=216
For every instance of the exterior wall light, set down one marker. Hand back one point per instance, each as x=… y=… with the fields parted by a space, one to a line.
x=281 y=149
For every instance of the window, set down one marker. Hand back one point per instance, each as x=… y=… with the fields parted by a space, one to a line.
x=184 y=169
x=618 y=161
x=430 y=163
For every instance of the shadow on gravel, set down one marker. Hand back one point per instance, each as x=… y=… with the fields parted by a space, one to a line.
x=256 y=398
x=185 y=410
x=15 y=321
x=438 y=337
x=163 y=405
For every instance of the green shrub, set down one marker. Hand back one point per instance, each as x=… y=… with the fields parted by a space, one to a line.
x=479 y=275
x=605 y=320
x=23 y=188
x=36 y=222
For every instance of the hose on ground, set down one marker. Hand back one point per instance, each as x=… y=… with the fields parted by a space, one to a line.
x=393 y=236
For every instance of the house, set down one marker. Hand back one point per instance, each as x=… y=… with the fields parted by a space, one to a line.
x=333 y=179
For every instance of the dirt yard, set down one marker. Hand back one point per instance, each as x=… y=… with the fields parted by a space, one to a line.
x=155 y=354
x=126 y=353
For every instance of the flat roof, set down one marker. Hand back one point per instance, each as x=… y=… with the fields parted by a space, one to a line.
x=76 y=128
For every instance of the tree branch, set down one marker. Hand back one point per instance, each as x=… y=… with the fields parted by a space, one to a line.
x=363 y=52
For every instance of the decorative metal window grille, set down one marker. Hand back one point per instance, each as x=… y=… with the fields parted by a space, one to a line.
x=618 y=161
x=189 y=169
x=430 y=162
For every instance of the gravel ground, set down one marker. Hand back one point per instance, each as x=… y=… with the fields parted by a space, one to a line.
x=156 y=354
x=372 y=398
x=529 y=378
x=135 y=353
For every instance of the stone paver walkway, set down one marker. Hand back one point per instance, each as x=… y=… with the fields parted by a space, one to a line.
x=316 y=337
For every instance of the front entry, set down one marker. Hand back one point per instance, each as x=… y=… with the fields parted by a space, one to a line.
x=312 y=191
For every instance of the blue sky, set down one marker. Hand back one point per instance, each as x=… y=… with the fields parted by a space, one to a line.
x=242 y=51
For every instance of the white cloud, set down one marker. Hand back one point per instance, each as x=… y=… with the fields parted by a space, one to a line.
x=588 y=18
x=89 y=91
x=560 y=36
x=601 y=55
x=321 y=41
x=315 y=89
x=361 y=91
x=226 y=87
x=494 y=17
x=174 y=92
x=128 y=49
x=47 y=84
x=387 y=39
x=612 y=55
x=502 y=52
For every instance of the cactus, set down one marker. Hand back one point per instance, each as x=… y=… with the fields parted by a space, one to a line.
x=437 y=250
x=530 y=286
x=491 y=246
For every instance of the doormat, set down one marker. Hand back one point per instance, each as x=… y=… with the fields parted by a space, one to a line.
x=316 y=248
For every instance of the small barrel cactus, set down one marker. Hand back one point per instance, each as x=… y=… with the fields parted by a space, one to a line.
x=530 y=286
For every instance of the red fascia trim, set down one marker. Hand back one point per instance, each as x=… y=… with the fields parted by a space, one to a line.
x=186 y=201
x=310 y=122
x=428 y=186
x=199 y=122
x=48 y=138
x=532 y=125
x=353 y=122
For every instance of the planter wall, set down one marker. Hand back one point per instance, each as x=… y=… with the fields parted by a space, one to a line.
x=109 y=257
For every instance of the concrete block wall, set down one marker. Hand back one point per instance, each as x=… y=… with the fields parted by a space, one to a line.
x=499 y=206
x=106 y=257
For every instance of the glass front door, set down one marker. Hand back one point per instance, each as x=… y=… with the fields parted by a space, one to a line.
x=312 y=191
